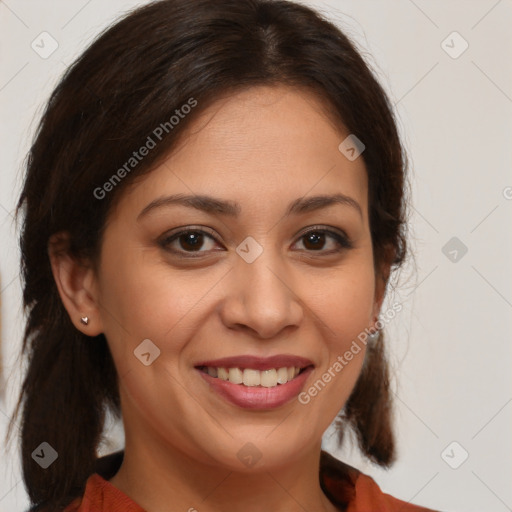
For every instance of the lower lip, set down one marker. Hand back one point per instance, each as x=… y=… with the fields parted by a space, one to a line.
x=258 y=397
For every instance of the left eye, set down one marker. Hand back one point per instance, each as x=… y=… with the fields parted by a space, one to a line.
x=192 y=240
x=315 y=238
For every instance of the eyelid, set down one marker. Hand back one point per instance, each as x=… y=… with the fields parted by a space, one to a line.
x=323 y=228
x=189 y=228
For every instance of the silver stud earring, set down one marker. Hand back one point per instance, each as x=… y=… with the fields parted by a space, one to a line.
x=84 y=320
x=373 y=337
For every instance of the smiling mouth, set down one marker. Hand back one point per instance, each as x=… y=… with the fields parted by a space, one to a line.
x=251 y=377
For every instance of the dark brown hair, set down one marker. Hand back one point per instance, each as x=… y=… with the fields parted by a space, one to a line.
x=129 y=81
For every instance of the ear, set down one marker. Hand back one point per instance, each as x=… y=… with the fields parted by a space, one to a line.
x=76 y=282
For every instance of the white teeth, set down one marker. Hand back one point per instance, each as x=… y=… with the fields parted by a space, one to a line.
x=236 y=376
x=269 y=378
x=250 y=377
x=222 y=373
x=282 y=375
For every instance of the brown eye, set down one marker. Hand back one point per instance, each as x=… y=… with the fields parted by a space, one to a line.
x=316 y=240
x=187 y=241
x=192 y=240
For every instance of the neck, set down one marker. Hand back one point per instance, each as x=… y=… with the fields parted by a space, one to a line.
x=155 y=478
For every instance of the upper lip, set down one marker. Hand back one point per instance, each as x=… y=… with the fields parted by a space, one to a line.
x=258 y=363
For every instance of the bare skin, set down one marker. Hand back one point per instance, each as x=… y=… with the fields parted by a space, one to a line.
x=263 y=149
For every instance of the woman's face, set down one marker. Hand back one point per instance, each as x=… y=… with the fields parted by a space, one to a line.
x=245 y=282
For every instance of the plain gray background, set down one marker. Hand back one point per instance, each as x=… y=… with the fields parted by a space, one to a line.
x=450 y=345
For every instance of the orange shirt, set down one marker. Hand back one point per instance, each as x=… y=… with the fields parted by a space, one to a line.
x=346 y=487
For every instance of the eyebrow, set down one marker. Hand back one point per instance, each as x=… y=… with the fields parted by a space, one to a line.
x=213 y=205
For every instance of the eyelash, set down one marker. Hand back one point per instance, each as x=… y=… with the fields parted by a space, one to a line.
x=343 y=241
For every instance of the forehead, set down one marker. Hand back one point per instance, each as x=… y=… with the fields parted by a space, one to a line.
x=267 y=145
x=283 y=118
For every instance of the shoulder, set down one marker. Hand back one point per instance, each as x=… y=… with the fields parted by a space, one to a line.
x=354 y=491
x=98 y=493
x=370 y=497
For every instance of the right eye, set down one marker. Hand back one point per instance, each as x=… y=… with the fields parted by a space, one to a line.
x=186 y=241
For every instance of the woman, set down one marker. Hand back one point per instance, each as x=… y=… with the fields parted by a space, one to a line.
x=213 y=203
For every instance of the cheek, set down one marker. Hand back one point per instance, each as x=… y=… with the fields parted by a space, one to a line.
x=347 y=304
x=346 y=308
x=143 y=299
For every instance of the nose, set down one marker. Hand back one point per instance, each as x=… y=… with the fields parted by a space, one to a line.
x=261 y=298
